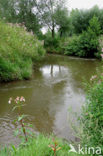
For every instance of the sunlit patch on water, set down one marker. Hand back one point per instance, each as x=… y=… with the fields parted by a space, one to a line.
x=53 y=70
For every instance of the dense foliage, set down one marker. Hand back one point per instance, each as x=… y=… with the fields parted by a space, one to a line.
x=92 y=114
x=17 y=11
x=54 y=17
x=80 y=18
x=18 y=50
x=87 y=44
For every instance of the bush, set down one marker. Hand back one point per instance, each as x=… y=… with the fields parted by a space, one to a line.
x=86 y=45
x=72 y=48
x=51 y=44
x=19 y=50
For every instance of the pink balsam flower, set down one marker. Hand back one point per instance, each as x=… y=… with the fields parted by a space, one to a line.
x=101 y=56
x=10 y=100
x=93 y=77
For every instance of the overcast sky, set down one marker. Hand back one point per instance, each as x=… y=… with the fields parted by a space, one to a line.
x=84 y=4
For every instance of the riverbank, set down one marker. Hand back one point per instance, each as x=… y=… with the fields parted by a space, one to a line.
x=87 y=44
x=19 y=51
x=40 y=146
x=71 y=46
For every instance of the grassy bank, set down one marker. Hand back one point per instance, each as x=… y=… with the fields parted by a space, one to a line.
x=91 y=118
x=19 y=50
x=39 y=146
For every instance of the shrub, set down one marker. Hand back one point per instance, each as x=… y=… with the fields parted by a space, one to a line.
x=86 y=45
x=19 y=50
x=72 y=48
x=51 y=44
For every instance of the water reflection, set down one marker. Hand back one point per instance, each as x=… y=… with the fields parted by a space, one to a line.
x=55 y=87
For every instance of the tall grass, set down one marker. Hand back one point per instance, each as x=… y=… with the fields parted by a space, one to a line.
x=92 y=114
x=39 y=146
x=19 y=50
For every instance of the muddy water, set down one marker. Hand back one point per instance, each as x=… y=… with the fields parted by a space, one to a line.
x=55 y=87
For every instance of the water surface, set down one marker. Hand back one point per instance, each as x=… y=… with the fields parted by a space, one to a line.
x=55 y=87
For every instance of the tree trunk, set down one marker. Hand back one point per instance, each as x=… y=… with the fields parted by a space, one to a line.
x=53 y=31
x=53 y=35
x=61 y=33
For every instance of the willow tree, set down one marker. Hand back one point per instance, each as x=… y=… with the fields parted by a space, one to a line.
x=63 y=21
x=27 y=16
x=8 y=10
x=46 y=10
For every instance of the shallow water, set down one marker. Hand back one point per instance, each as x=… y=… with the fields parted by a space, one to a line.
x=55 y=87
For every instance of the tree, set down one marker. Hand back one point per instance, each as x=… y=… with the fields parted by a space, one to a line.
x=94 y=28
x=46 y=13
x=62 y=21
x=80 y=18
x=20 y=11
x=27 y=16
x=8 y=10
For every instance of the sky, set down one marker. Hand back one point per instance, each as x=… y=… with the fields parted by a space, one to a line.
x=84 y=4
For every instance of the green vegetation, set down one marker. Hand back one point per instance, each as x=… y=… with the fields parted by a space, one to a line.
x=19 y=50
x=38 y=146
x=81 y=39
x=92 y=114
x=76 y=33
x=87 y=44
x=61 y=25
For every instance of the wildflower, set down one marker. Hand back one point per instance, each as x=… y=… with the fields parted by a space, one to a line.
x=101 y=56
x=10 y=100
x=102 y=49
x=31 y=33
x=17 y=99
x=22 y=99
x=99 y=81
x=93 y=77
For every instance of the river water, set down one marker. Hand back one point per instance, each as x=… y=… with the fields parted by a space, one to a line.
x=54 y=88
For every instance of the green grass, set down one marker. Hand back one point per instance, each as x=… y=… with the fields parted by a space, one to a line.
x=39 y=147
x=19 y=50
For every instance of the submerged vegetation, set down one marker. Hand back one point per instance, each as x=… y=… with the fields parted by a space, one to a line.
x=19 y=51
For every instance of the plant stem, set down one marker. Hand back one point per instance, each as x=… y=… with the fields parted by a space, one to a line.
x=21 y=121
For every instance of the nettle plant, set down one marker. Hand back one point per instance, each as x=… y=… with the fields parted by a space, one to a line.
x=19 y=102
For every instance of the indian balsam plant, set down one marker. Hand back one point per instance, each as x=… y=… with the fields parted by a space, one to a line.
x=19 y=102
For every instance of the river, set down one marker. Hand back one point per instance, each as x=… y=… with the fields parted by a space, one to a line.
x=54 y=88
